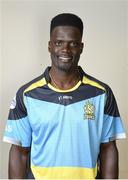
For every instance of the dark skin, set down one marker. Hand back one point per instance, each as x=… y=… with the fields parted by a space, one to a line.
x=65 y=47
x=108 y=158
x=18 y=161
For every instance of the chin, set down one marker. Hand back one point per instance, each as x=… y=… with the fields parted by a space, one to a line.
x=67 y=68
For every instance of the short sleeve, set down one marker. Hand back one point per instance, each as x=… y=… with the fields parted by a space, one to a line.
x=112 y=124
x=18 y=129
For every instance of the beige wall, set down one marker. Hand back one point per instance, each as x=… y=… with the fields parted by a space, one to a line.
x=127 y=51
x=26 y=33
x=0 y=87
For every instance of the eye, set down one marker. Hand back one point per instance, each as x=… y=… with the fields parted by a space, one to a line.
x=74 y=44
x=58 y=43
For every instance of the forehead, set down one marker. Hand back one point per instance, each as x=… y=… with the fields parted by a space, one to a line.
x=66 y=32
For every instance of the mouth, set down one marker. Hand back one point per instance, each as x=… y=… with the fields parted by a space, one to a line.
x=65 y=59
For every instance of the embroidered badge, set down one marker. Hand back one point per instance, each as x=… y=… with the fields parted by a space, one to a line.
x=89 y=111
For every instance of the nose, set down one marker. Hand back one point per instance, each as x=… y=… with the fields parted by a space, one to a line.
x=66 y=47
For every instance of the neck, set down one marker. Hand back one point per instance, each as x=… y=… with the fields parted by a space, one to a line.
x=64 y=80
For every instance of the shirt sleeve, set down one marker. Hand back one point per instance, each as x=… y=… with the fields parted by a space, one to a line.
x=18 y=130
x=112 y=124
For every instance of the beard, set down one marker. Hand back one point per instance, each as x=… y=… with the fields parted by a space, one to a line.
x=65 y=68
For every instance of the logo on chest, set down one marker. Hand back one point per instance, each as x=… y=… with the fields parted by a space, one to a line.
x=89 y=111
x=61 y=98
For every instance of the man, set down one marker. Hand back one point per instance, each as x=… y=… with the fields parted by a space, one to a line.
x=67 y=120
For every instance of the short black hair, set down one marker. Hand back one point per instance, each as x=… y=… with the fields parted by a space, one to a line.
x=67 y=19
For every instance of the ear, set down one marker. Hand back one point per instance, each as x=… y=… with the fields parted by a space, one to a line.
x=81 y=47
x=49 y=46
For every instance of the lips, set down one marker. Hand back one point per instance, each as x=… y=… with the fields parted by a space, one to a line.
x=65 y=59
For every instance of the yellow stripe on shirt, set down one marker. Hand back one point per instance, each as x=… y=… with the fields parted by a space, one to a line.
x=93 y=83
x=39 y=83
x=64 y=172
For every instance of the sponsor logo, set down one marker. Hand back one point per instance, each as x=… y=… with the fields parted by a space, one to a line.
x=89 y=111
x=8 y=128
x=65 y=98
x=13 y=104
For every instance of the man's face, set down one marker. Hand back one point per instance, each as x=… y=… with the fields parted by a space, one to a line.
x=65 y=47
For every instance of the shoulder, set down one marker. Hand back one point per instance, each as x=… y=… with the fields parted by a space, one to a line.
x=88 y=79
x=29 y=85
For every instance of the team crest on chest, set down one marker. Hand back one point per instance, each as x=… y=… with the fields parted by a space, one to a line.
x=89 y=111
